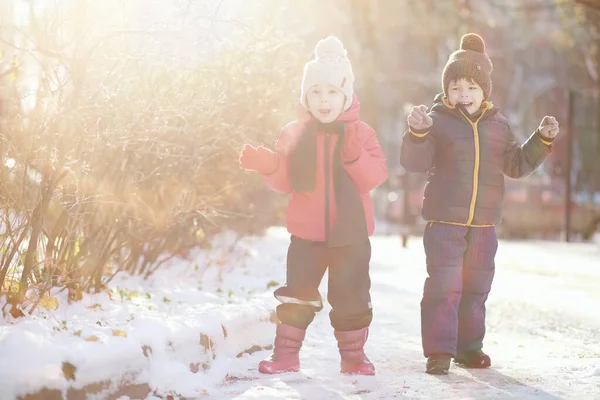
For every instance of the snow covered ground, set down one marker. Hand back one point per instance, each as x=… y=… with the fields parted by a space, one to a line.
x=543 y=333
x=543 y=330
x=189 y=317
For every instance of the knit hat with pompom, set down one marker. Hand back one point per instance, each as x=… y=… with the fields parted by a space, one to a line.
x=470 y=62
x=330 y=67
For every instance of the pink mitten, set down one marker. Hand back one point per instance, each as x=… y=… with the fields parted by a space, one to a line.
x=259 y=159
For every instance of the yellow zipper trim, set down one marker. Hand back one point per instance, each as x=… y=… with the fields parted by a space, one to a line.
x=486 y=105
x=419 y=135
x=447 y=103
x=476 y=166
x=459 y=224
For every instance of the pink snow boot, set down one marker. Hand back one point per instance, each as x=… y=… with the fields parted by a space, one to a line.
x=285 y=358
x=351 y=345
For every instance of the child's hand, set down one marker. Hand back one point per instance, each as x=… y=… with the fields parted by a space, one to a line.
x=418 y=118
x=258 y=159
x=351 y=150
x=548 y=127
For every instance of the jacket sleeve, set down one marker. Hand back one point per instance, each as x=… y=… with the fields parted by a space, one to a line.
x=417 y=153
x=279 y=180
x=521 y=160
x=370 y=169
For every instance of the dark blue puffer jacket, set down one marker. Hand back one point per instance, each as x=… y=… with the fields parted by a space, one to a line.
x=466 y=159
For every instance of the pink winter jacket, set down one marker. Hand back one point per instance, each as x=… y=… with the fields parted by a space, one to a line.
x=307 y=210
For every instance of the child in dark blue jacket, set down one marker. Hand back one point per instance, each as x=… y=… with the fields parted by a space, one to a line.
x=466 y=146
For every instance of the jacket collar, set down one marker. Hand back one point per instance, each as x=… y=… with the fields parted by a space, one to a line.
x=442 y=105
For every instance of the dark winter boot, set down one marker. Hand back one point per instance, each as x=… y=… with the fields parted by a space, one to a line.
x=351 y=345
x=438 y=364
x=285 y=358
x=473 y=359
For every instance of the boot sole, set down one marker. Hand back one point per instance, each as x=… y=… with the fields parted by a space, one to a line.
x=437 y=371
x=483 y=363
x=472 y=366
x=269 y=371
x=363 y=373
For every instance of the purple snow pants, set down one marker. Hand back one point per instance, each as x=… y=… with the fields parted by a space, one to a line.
x=460 y=265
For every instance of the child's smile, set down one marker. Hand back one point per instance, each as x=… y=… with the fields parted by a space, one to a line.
x=465 y=93
x=325 y=102
x=324 y=111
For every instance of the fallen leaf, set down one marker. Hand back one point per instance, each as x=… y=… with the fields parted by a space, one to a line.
x=221 y=261
x=117 y=332
x=92 y=338
x=68 y=371
x=49 y=302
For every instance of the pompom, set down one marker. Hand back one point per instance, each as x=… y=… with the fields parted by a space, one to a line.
x=472 y=41
x=330 y=46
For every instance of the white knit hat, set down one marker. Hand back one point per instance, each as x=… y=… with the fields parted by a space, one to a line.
x=330 y=67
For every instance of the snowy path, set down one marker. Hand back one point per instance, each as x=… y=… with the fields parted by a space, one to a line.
x=543 y=333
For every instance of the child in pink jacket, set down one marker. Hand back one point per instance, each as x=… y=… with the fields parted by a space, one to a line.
x=328 y=160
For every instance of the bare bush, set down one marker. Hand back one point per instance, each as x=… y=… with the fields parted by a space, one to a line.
x=127 y=159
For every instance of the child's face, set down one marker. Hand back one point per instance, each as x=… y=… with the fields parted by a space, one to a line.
x=465 y=92
x=325 y=102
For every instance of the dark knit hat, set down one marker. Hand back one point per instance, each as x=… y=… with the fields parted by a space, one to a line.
x=469 y=62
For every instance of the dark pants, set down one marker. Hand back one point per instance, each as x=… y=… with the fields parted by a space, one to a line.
x=460 y=265
x=348 y=291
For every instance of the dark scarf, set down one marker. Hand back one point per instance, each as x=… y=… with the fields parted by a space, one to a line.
x=350 y=226
x=303 y=160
